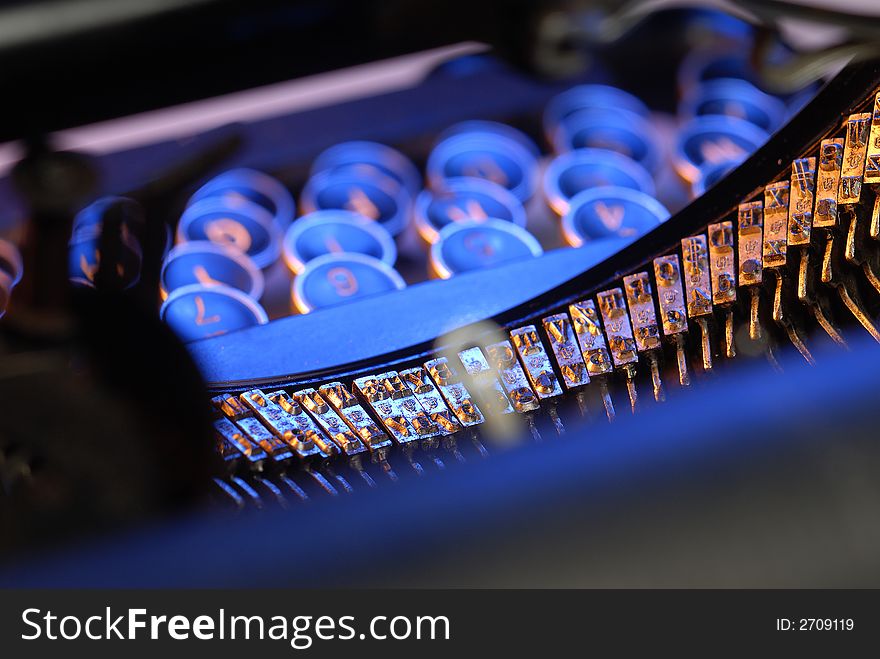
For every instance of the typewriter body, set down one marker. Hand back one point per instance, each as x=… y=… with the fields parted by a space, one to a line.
x=374 y=295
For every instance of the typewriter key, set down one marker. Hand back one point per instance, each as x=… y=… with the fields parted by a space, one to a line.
x=88 y=222
x=253 y=186
x=714 y=139
x=712 y=172
x=10 y=263
x=84 y=260
x=242 y=225
x=494 y=157
x=198 y=312
x=209 y=264
x=471 y=245
x=338 y=278
x=713 y=26
x=611 y=212
x=367 y=159
x=378 y=197
x=332 y=232
x=729 y=62
x=463 y=199
x=583 y=169
x=702 y=66
x=734 y=98
x=582 y=97
x=621 y=131
x=477 y=126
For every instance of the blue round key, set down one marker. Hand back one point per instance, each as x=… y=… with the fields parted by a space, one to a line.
x=725 y=62
x=583 y=169
x=713 y=139
x=11 y=262
x=711 y=173
x=378 y=197
x=254 y=186
x=621 y=131
x=586 y=97
x=335 y=232
x=84 y=259
x=734 y=98
x=715 y=25
x=209 y=264
x=463 y=199
x=466 y=246
x=477 y=126
x=335 y=279
x=239 y=224
x=611 y=212
x=88 y=222
x=699 y=67
x=494 y=157
x=368 y=159
x=198 y=312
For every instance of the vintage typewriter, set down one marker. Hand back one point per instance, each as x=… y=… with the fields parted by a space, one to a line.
x=472 y=294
